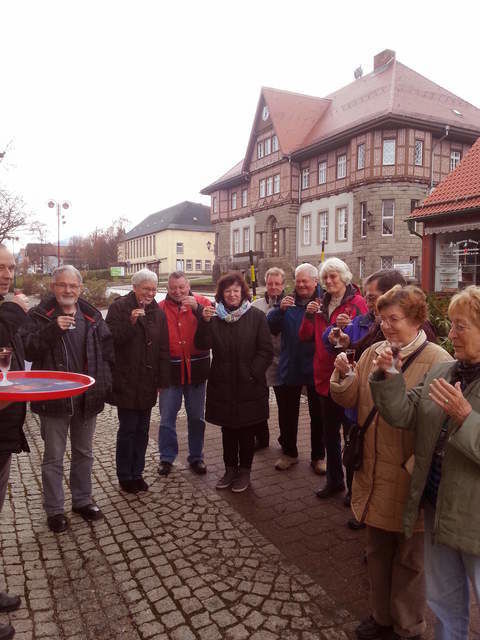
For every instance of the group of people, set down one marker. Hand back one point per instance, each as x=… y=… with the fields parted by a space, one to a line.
x=370 y=360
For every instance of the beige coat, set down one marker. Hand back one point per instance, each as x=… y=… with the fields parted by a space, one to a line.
x=380 y=488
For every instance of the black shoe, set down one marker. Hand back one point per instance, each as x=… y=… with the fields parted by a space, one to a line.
x=165 y=468
x=347 y=500
x=6 y=631
x=355 y=525
x=57 y=523
x=198 y=467
x=140 y=484
x=129 y=486
x=9 y=603
x=330 y=490
x=369 y=629
x=90 y=512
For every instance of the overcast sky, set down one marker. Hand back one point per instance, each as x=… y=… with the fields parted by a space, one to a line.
x=124 y=107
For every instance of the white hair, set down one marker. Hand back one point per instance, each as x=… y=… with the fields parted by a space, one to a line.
x=69 y=268
x=309 y=268
x=142 y=275
x=275 y=271
x=335 y=264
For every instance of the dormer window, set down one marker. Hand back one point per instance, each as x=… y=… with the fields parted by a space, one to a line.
x=259 y=150
x=274 y=144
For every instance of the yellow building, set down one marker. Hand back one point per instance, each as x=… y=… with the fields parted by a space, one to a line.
x=179 y=238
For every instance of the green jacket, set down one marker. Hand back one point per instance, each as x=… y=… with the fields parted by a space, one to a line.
x=457 y=516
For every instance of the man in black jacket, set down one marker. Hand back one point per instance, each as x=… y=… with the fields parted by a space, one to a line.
x=12 y=415
x=142 y=366
x=66 y=333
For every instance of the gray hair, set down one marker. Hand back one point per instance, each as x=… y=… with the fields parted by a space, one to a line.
x=335 y=264
x=309 y=268
x=275 y=271
x=142 y=275
x=176 y=275
x=69 y=268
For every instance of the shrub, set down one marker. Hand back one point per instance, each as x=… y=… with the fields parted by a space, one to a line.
x=95 y=292
x=438 y=315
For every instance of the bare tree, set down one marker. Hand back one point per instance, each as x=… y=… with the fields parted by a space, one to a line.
x=12 y=214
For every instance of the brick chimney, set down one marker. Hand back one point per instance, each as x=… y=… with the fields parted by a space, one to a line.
x=382 y=58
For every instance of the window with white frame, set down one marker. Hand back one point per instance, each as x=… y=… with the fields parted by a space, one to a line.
x=361 y=156
x=388 y=152
x=179 y=247
x=363 y=219
x=342 y=224
x=276 y=183
x=388 y=213
x=246 y=239
x=268 y=146
x=323 y=226
x=305 y=178
x=234 y=200
x=361 y=268
x=413 y=205
x=386 y=262
x=198 y=265
x=418 y=153
x=236 y=241
x=322 y=172
x=306 y=229
x=274 y=144
x=189 y=265
x=414 y=262
x=208 y=265
x=244 y=197
x=259 y=149
x=342 y=166
x=455 y=157
x=214 y=204
x=261 y=188
x=269 y=185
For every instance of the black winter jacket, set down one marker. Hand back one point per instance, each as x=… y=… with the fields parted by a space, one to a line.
x=142 y=361
x=45 y=347
x=12 y=438
x=237 y=393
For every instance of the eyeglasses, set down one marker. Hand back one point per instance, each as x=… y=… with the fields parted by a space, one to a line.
x=458 y=327
x=65 y=285
x=392 y=321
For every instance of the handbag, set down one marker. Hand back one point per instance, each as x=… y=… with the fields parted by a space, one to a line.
x=352 y=455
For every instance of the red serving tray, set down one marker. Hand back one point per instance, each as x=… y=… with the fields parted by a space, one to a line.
x=44 y=385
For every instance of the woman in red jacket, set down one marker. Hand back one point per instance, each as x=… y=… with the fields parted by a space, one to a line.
x=341 y=303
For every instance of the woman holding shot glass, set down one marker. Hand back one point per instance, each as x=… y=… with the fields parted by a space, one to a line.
x=340 y=304
x=381 y=485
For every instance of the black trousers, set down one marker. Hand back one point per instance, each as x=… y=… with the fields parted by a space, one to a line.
x=332 y=419
x=239 y=446
x=288 y=401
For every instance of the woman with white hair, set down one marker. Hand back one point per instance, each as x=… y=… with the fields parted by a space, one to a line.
x=140 y=335
x=341 y=303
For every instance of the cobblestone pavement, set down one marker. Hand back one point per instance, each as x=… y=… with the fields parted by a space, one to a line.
x=184 y=561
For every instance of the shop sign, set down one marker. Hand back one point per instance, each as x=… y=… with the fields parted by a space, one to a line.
x=446 y=267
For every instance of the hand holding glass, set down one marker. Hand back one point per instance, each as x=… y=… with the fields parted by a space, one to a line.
x=395 y=348
x=336 y=336
x=5 y=362
x=350 y=353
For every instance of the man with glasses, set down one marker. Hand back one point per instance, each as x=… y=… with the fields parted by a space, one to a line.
x=66 y=333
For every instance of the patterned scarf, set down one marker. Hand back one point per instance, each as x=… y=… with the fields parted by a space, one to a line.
x=232 y=316
x=465 y=373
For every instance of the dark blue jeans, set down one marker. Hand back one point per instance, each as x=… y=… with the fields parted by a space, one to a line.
x=132 y=441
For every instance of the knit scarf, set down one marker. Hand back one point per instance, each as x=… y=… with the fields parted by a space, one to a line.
x=232 y=316
x=465 y=373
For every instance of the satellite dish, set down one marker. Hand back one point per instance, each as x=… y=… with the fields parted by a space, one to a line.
x=358 y=73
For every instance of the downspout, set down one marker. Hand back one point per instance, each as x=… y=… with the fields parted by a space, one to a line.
x=447 y=129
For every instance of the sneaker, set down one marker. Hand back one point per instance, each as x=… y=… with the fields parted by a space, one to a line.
x=226 y=481
x=242 y=481
x=285 y=462
x=319 y=467
x=6 y=631
x=369 y=629
x=165 y=468
x=9 y=603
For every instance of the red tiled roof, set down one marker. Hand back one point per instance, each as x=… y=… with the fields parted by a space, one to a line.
x=459 y=191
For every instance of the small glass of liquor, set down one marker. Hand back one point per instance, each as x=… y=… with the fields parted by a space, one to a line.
x=73 y=326
x=5 y=362
x=395 y=352
x=336 y=336
x=350 y=353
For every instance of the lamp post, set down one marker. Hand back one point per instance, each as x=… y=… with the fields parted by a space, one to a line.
x=64 y=205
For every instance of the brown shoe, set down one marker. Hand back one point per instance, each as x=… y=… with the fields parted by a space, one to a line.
x=285 y=462
x=319 y=467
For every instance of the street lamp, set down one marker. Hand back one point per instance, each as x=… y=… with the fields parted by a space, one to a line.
x=64 y=205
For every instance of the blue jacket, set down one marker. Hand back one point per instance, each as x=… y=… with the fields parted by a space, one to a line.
x=295 y=365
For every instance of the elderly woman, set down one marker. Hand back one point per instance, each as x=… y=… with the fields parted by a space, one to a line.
x=443 y=415
x=381 y=485
x=340 y=304
x=140 y=336
x=237 y=393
